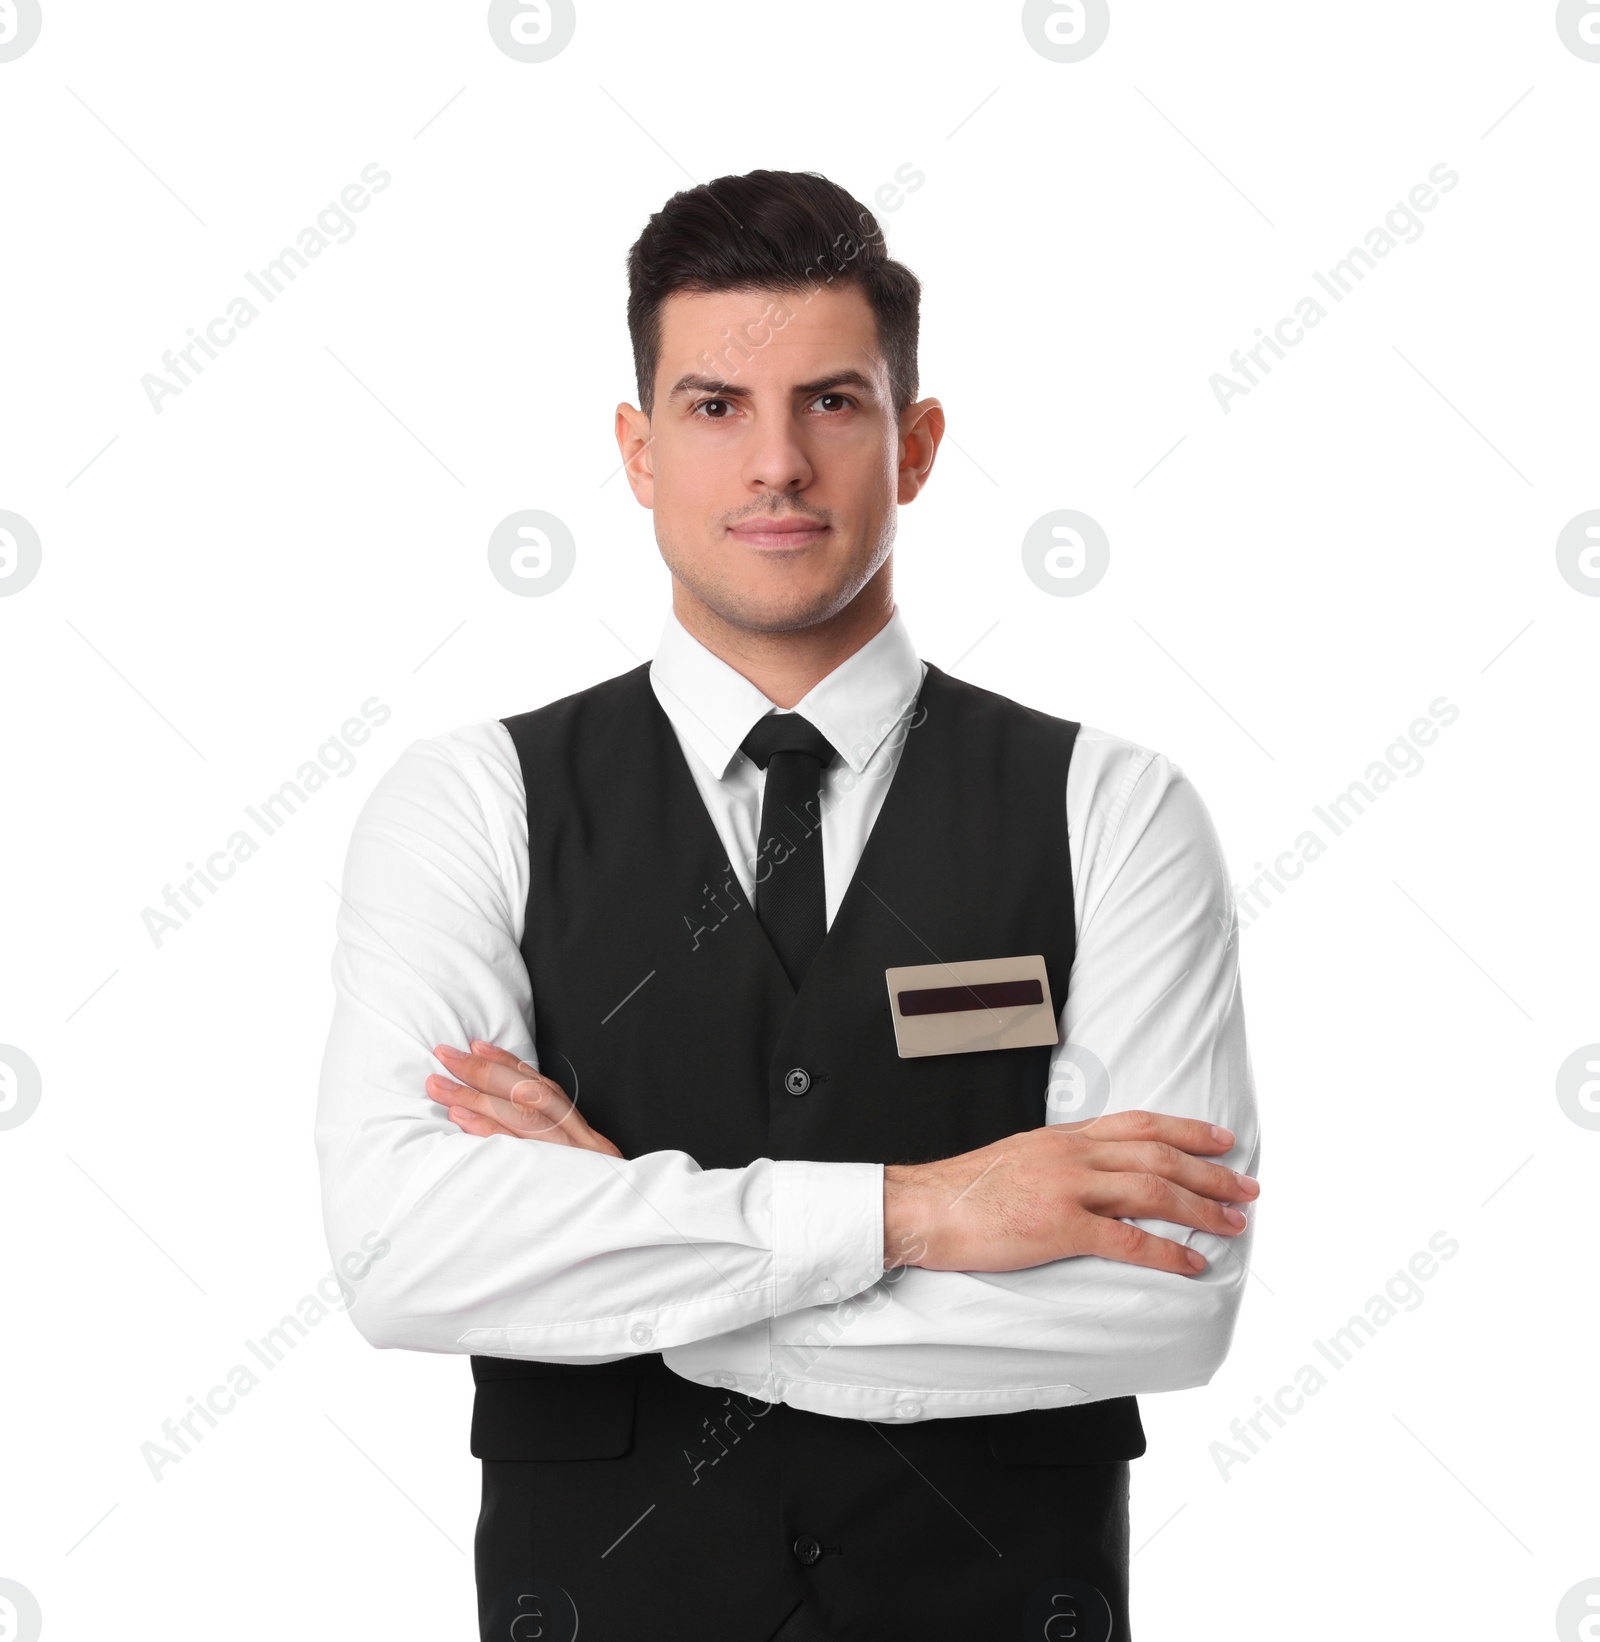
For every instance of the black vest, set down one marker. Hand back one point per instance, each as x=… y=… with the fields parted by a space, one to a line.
x=968 y=859
x=661 y=1007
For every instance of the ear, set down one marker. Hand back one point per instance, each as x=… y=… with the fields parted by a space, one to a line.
x=921 y=429
x=634 y=442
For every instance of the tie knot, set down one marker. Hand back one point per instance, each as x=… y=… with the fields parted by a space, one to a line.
x=786 y=733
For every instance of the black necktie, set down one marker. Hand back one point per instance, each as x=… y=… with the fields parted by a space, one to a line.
x=790 y=899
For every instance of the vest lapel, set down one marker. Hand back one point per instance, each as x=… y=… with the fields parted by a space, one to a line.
x=683 y=800
x=885 y=864
x=882 y=864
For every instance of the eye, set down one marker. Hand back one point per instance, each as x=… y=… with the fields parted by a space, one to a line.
x=841 y=398
x=701 y=404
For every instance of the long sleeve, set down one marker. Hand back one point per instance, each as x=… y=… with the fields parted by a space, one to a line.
x=499 y=1246
x=1153 y=1018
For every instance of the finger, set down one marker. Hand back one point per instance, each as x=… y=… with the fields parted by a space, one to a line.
x=501 y=1057
x=473 y=1124
x=521 y=1071
x=509 y=1117
x=534 y=1108
x=1187 y=1133
x=496 y=1072
x=449 y=1093
x=543 y=1103
x=488 y=1068
x=545 y=1107
x=546 y=1110
x=569 y=1127
x=1133 y=1246
x=521 y=1097
x=1209 y=1179
x=1153 y=1197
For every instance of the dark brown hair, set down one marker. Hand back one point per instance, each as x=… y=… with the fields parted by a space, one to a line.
x=769 y=230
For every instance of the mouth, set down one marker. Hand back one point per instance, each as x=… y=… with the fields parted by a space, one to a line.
x=779 y=534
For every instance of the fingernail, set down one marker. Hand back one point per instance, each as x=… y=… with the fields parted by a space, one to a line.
x=1232 y=1216
x=1223 y=1137
x=479 y=1045
x=1247 y=1183
x=443 y=1049
x=1196 y=1259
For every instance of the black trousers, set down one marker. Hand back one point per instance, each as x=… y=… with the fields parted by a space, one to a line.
x=680 y=1512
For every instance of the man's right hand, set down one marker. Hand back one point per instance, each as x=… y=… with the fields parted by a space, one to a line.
x=1066 y=1189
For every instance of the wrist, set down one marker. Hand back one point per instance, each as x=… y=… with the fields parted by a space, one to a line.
x=905 y=1217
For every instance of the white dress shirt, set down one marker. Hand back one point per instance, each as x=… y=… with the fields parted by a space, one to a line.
x=769 y=1278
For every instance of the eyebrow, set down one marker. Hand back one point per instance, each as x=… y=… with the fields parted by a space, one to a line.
x=724 y=389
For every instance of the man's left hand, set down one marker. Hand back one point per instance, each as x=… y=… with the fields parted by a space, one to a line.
x=497 y=1094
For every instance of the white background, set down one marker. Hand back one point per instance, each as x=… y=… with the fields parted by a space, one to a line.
x=305 y=526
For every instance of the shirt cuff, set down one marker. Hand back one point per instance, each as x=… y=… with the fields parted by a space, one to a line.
x=827 y=1232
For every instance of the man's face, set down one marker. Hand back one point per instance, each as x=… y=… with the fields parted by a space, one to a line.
x=774 y=460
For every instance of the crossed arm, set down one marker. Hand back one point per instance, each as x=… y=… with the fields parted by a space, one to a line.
x=1053 y=1267
x=1045 y=1194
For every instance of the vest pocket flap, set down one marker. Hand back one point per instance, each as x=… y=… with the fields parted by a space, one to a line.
x=531 y=1418
x=1081 y=1434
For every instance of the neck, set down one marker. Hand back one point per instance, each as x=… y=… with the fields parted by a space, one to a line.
x=783 y=666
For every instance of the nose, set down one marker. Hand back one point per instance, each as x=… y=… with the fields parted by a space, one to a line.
x=775 y=460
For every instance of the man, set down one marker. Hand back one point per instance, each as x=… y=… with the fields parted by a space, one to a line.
x=842 y=1060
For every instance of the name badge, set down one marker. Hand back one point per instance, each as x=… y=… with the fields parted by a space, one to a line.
x=985 y=1003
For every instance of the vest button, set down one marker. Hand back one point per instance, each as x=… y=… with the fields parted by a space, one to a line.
x=827 y=1291
x=807 y=1550
x=908 y=1409
x=797 y=1080
x=640 y=1334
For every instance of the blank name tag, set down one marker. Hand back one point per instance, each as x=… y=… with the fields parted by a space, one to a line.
x=985 y=1003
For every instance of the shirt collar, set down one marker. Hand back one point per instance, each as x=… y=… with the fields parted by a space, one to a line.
x=714 y=708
